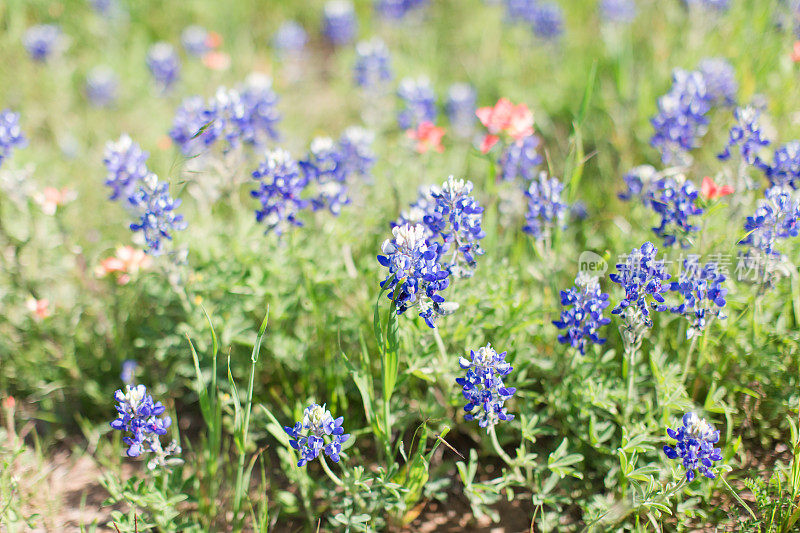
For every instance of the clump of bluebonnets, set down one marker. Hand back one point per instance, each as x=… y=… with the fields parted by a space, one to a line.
x=355 y=145
x=324 y=166
x=784 y=171
x=317 y=432
x=460 y=107
x=290 y=38
x=681 y=120
x=642 y=277
x=373 y=68
x=155 y=209
x=520 y=159
x=281 y=185
x=164 y=65
x=126 y=165
x=746 y=135
x=546 y=210
x=675 y=199
x=339 y=22
x=483 y=386
x=720 y=79
x=42 y=41
x=247 y=114
x=695 y=446
x=417 y=102
x=101 y=86
x=582 y=316
x=703 y=292
x=139 y=415
x=776 y=217
x=618 y=11
x=397 y=9
x=547 y=20
x=11 y=136
x=195 y=40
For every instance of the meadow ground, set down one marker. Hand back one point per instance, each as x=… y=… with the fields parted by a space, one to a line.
x=241 y=292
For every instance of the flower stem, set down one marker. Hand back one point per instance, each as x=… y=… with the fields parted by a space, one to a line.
x=329 y=472
x=499 y=449
x=738 y=498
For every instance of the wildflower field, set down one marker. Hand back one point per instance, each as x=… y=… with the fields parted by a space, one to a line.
x=399 y=265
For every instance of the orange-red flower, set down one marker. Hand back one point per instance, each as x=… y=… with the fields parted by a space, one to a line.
x=127 y=262
x=216 y=60
x=711 y=190
x=50 y=199
x=505 y=118
x=796 y=52
x=213 y=39
x=428 y=137
x=39 y=308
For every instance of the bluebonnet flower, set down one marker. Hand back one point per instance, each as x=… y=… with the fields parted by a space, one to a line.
x=681 y=118
x=281 y=183
x=415 y=276
x=695 y=447
x=246 y=115
x=397 y=9
x=127 y=375
x=520 y=10
x=164 y=64
x=156 y=211
x=717 y=5
x=11 y=136
x=290 y=38
x=373 y=66
x=101 y=86
x=340 y=23
x=638 y=181
x=483 y=386
x=546 y=210
x=42 y=41
x=460 y=107
x=583 y=313
x=195 y=40
x=520 y=159
x=618 y=11
x=456 y=217
x=138 y=414
x=747 y=135
x=318 y=431
x=720 y=79
x=776 y=217
x=642 y=277
x=324 y=168
x=104 y=7
x=126 y=164
x=418 y=102
x=703 y=294
x=417 y=211
x=547 y=20
x=785 y=168
x=674 y=198
x=355 y=145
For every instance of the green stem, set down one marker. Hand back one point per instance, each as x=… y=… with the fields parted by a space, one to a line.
x=499 y=449
x=688 y=363
x=336 y=479
x=632 y=341
x=738 y=498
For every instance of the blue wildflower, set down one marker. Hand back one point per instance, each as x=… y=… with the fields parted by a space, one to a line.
x=674 y=198
x=318 y=431
x=195 y=40
x=140 y=415
x=127 y=375
x=703 y=294
x=785 y=168
x=776 y=217
x=324 y=168
x=583 y=313
x=520 y=10
x=642 y=278
x=340 y=24
x=618 y=11
x=101 y=86
x=373 y=65
x=720 y=80
x=355 y=145
x=695 y=446
x=261 y=110
x=281 y=183
x=483 y=386
x=290 y=38
x=520 y=159
x=681 y=120
x=546 y=210
x=716 y=5
x=156 y=211
x=11 y=136
x=460 y=107
x=164 y=64
x=397 y=9
x=746 y=134
x=638 y=181
x=456 y=217
x=547 y=20
x=415 y=275
x=42 y=41
x=418 y=102
x=126 y=164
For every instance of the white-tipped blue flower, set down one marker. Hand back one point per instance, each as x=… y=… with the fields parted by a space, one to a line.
x=318 y=431
x=483 y=386
x=164 y=65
